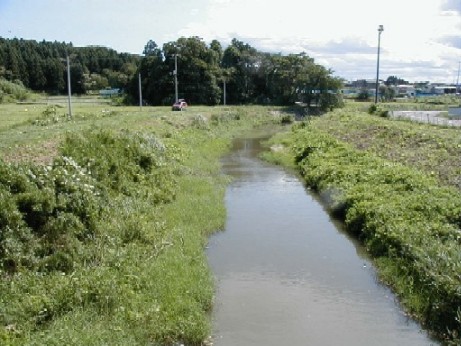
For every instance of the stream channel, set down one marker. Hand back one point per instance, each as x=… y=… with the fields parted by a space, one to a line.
x=287 y=274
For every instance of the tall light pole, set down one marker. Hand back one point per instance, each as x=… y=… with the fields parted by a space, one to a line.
x=457 y=79
x=380 y=30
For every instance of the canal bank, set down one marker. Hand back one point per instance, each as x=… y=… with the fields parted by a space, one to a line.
x=287 y=274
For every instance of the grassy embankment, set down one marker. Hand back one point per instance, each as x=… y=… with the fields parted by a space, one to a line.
x=397 y=186
x=104 y=218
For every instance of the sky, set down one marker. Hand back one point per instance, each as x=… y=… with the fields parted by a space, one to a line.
x=421 y=40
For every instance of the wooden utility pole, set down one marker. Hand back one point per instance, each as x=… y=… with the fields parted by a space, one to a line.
x=69 y=91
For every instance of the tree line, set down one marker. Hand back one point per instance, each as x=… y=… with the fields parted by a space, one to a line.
x=41 y=66
x=249 y=76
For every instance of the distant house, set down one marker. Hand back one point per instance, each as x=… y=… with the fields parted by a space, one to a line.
x=109 y=92
x=404 y=90
x=363 y=83
x=444 y=89
x=426 y=88
x=434 y=89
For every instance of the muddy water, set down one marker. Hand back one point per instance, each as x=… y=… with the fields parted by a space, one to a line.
x=287 y=275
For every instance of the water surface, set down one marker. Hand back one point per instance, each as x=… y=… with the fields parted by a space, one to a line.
x=287 y=275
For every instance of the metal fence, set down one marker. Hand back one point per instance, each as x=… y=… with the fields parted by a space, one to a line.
x=429 y=117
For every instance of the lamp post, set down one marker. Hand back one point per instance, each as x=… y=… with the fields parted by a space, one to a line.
x=380 y=30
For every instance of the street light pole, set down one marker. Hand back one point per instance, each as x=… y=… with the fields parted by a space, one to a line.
x=380 y=30
x=457 y=79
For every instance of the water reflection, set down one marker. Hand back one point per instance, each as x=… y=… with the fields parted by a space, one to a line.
x=287 y=276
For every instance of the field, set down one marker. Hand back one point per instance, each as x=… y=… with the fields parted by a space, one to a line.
x=104 y=218
x=397 y=186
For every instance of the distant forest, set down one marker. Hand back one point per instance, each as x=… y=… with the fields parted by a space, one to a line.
x=250 y=76
x=41 y=66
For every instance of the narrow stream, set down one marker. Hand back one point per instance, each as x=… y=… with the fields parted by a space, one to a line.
x=288 y=275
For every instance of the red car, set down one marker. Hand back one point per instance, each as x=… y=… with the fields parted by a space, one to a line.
x=179 y=106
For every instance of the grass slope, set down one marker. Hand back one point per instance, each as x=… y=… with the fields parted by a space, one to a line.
x=396 y=186
x=102 y=238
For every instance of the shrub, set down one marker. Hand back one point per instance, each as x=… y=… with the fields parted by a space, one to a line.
x=12 y=91
x=123 y=162
x=287 y=119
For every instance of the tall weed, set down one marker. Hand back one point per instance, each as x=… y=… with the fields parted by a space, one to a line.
x=401 y=214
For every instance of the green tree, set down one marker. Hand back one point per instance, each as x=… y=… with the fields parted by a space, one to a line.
x=151 y=48
x=296 y=77
x=251 y=76
x=244 y=61
x=41 y=66
x=55 y=76
x=198 y=70
x=387 y=93
x=77 y=78
x=394 y=80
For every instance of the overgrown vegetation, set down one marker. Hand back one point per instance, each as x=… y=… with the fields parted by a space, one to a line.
x=12 y=91
x=396 y=186
x=104 y=245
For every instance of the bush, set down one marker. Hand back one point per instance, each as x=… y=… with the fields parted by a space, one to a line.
x=124 y=162
x=12 y=91
x=287 y=119
x=374 y=109
x=46 y=213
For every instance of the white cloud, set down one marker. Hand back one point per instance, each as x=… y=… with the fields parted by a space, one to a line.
x=420 y=38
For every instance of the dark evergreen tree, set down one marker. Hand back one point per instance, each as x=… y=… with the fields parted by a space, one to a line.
x=41 y=66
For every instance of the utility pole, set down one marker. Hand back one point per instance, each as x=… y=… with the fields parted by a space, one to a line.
x=224 y=91
x=140 y=91
x=380 y=30
x=69 y=92
x=457 y=79
x=176 y=77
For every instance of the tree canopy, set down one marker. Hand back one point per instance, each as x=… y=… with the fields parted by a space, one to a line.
x=41 y=66
x=251 y=76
